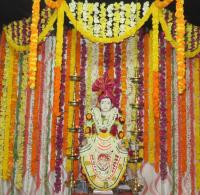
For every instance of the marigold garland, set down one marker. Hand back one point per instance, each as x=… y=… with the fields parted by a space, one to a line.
x=33 y=43
x=180 y=32
x=35 y=134
x=54 y=4
x=162 y=4
x=111 y=62
x=100 y=62
x=21 y=125
x=13 y=114
x=71 y=95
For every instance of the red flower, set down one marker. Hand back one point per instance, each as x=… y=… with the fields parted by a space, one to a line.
x=114 y=130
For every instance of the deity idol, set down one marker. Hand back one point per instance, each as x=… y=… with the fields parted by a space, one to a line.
x=104 y=155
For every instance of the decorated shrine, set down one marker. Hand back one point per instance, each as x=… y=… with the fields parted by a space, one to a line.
x=100 y=97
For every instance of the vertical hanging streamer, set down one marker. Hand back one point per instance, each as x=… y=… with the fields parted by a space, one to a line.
x=123 y=82
x=155 y=81
x=83 y=87
x=192 y=138
x=77 y=111
x=151 y=132
x=169 y=102
x=20 y=125
x=106 y=59
x=33 y=43
x=57 y=81
x=146 y=96
x=196 y=73
x=71 y=95
x=88 y=75
x=111 y=62
x=13 y=115
x=101 y=59
x=163 y=106
x=59 y=126
x=117 y=65
x=2 y=59
x=8 y=113
x=35 y=135
x=67 y=92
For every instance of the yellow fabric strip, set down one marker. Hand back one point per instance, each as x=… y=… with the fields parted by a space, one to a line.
x=71 y=108
x=196 y=87
x=8 y=115
x=151 y=112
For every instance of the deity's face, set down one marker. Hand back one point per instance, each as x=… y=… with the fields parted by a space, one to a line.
x=105 y=104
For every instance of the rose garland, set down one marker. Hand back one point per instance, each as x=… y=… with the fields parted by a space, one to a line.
x=67 y=85
x=59 y=127
x=169 y=102
x=82 y=87
x=33 y=43
x=106 y=59
x=117 y=66
x=2 y=59
x=163 y=106
x=146 y=96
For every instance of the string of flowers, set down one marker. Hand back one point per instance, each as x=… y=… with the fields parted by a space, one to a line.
x=151 y=80
x=122 y=18
x=169 y=102
x=106 y=59
x=77 y=110
x=4 y=108
x=71 y=95
x=59 y=126
x=111 y=61
x=110 y=20
x=101 y=59
x=196 y=70
x=21 y=125
x=33 y=43
x=53 y=4
x=67 y=84
x=163 y=117
x=36 y=109
x=2 y=59
x=13 y=114
x=96 y=19
x=191 y=89
x=146 y=95
x=8 y=113
x=82 y=87
x=117 y=66
x=140 y=47
x=116 y=19
x=103 y=19
x=123 y=81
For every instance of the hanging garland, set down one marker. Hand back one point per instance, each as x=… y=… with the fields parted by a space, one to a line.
x=54 y=4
